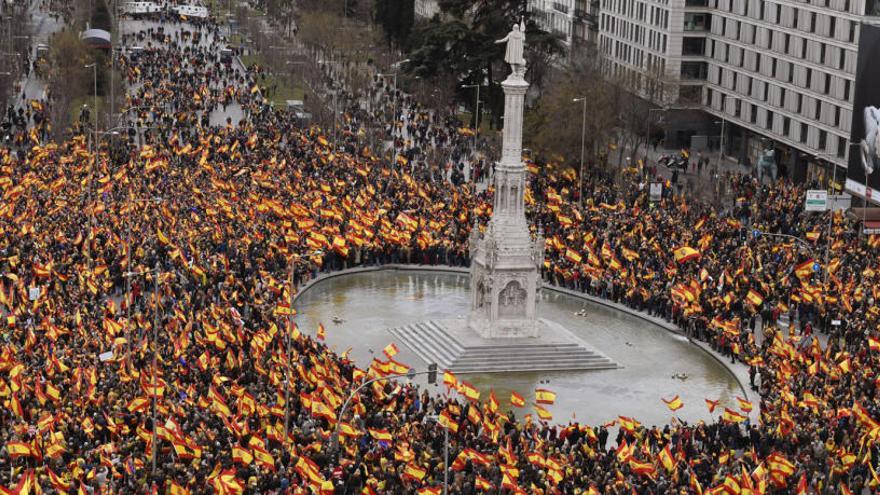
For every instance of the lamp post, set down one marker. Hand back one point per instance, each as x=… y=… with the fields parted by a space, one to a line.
x=292 y=78
x=436 y=419
x=155 y=440
x=583 y=101
x=128 y=278
x=476 y=111
x=393 y=95
x=291 y=266
x=648 y=122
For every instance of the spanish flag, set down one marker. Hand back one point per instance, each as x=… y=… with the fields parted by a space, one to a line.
x=666 y=458
x=241 y=455
x=469 y=391
x=449 y=380
x=744 y=405
x=447 y=421
x=874 y=344
x=544 y=396
x=391 y=350
x=674 y=404
x=381 y=435
x=732 y=416
x=754 y=297
x=517 y=400
x=572 y=255
x=812 y=236
x=414 y=472
x=711 y=404
x=804 y=270
x=322 y=333
x=685 y=254
x=544 y=414
x=18 y=449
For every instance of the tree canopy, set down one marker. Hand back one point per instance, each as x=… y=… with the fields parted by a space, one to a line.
x=460 y=45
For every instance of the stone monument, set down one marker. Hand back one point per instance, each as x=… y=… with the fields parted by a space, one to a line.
x=502 y=333
x=505 y=261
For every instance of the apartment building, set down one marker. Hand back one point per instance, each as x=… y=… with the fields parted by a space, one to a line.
x=779 y=74
x=574 y=21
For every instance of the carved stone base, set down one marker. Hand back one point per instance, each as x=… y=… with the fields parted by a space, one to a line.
x=454 y=346
x=503 y=328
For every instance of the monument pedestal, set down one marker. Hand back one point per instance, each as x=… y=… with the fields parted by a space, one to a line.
x=454 y=346
x=503 y=333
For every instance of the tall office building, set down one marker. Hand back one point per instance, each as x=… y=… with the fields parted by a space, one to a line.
x=779 y=74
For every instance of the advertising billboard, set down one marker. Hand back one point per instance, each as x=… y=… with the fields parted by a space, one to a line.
x=864 y=153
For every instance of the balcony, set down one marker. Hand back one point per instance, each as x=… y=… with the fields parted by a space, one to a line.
x=693 y=47
x=560 y=7
x=697 y=22
x=694 y=71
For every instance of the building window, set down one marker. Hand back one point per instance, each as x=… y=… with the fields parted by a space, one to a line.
x=809 y=78
x=768 y=124
x=828 y=84
x=836 y=116
x=786 y=126
x=812 y=22
x=694 y=70
x=800 y=103
x=846 y=84
x=787 y=42
x=753 y=117
x=823 y=137
x=841 y=147
x=832 y=26
x=822 y=53
x=803 y=137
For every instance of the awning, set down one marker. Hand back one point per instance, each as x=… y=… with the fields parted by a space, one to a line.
x=97 y=38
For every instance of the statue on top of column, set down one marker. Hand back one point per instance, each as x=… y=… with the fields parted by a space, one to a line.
x=515 y=40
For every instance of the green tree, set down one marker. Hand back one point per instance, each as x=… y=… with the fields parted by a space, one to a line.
x=396 y=18
x=461 y=44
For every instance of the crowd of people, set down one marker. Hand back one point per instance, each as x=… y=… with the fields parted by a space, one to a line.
x=148 y=343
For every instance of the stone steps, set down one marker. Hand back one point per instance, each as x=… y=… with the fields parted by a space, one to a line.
x=433 y=344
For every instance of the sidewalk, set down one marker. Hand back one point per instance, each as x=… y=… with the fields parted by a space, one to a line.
x=34 y=87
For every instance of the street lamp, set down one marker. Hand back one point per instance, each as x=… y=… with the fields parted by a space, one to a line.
x=436 y=419
x=128 y=278
x=476 y=111
x=155 y=271
x=582 y=100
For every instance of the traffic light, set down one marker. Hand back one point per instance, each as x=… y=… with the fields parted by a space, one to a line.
x=432 y=373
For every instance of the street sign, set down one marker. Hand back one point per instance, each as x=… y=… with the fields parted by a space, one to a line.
x=838 y=202
x=817 y=267
x=817 y=200
x=656 y=191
